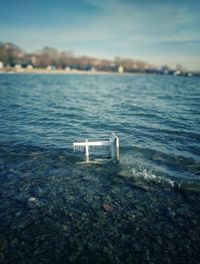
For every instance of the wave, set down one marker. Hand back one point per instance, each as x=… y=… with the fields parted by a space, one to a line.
x=147 y=177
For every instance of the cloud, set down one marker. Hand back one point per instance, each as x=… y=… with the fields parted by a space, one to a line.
x=115 y=27
x=148 y=20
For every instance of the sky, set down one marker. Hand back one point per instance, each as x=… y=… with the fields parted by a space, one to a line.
x=156 y=31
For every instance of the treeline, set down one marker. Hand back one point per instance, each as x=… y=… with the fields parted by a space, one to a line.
x=11 y=55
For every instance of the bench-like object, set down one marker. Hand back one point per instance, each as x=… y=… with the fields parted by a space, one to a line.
x=112 y=143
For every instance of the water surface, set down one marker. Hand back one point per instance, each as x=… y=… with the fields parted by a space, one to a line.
x=53 y=205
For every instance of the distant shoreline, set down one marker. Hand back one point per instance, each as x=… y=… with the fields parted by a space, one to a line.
x=81 y=72
x=57 y=71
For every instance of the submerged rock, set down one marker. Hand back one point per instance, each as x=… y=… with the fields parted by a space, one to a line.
x=33 y=202
x=32 y=199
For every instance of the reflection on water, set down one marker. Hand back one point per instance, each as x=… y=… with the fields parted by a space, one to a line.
x=55 y=208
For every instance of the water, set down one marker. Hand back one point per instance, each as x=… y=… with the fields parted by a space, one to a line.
x=55 y=208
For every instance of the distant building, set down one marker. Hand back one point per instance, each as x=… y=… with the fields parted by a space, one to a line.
x=177 y=72
x=93 y=69
x=67 y=69
x=51 y=67
x=166 y=72
x=120 y=69
x=18 y=66
x=33 y=60
x=29 y=67
x=1 y=65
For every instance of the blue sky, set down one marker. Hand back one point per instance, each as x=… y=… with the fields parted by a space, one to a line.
x=156 y=31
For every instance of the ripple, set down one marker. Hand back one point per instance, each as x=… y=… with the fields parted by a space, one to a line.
x=155 y=117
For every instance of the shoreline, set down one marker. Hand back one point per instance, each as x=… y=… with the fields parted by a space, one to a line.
x=38 y=71
x=71 y=72
x=57 y=71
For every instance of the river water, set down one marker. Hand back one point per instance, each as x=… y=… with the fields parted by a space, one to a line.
x=57 y=208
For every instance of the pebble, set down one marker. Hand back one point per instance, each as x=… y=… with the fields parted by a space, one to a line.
x=107 y=207
x=33 y=202
x=32 y=199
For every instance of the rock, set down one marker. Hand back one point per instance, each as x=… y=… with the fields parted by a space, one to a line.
x=32 y=199
x=65 y=227
x=107 y=207
x=33 y=202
